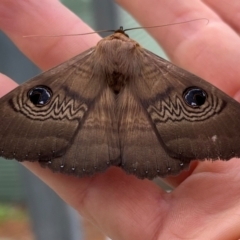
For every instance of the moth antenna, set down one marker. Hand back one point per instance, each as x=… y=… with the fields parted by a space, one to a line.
x=118 y=30
x=64 y=35
x=170 y=24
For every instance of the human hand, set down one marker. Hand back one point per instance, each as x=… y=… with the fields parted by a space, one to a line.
x=205 y=201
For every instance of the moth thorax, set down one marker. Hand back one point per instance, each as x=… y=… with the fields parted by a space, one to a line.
x=116 y=81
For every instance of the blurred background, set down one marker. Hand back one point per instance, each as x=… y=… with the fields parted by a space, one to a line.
x=29 y=210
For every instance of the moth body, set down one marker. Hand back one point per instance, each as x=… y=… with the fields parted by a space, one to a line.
x=117 y=60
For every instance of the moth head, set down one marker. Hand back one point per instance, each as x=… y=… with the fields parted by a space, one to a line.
x=40 y=95
x=194 y=97
x=121 y=30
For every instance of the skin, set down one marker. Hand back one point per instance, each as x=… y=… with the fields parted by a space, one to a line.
x=205 y=201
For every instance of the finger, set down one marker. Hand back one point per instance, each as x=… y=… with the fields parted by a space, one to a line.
x=227 y=10
x=20 y=18
x=206 y=50
x=209 y=195
x=120 y=205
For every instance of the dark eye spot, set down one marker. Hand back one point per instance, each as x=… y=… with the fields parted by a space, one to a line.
x=40 y=95
x=194 y=96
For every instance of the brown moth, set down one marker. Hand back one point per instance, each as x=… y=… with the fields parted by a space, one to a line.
x=118 y=104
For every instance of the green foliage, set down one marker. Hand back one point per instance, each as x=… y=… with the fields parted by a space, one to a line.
x=13 y=212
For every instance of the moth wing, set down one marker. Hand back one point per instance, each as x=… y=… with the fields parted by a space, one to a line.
x=29 y=132
x=96 y=145
x=143 y=152
x=210 y=131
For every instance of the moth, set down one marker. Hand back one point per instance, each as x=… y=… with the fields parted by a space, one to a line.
x=118 y=104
